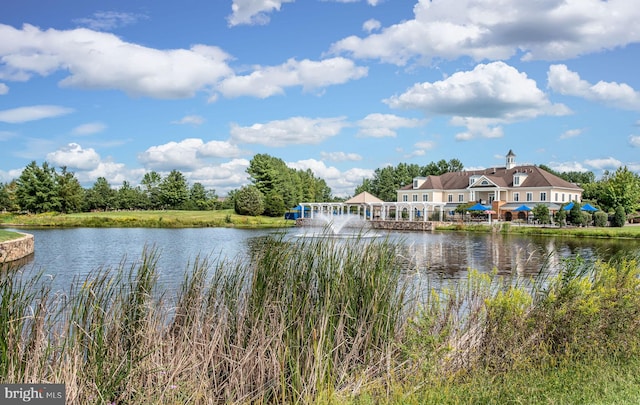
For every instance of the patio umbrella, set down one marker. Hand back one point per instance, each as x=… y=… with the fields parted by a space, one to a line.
x=568 y=206
x=523 y=208
x=589 y=208
x=478 y=207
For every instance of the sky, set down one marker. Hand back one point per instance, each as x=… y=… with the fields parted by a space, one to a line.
x=341 y=87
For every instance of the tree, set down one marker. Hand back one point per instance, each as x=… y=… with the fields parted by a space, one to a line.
x=8 y=197
x=200 y=198
x=70 y=192
x=174 y=190
x=128 y=197
x=249 y=201
x=274 y=205
x=541 y=214
x=151 y=187
x=619 y=217
x=621 y=188
x=36 y=189
x=575 y=216
x=101 y=196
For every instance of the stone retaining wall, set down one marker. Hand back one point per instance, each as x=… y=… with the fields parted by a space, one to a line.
x=16 y=248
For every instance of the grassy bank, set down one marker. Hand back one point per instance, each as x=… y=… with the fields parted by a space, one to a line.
x=144 y=219
x=628 y=231
x=8 y=235
x=326 y=321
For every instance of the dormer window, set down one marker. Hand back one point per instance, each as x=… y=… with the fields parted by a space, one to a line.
x=418 y=182
x=518 y=179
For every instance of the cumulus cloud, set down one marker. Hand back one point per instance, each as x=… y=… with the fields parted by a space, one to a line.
x=634 y=140
x=566 y=82
x=563 y=167
x=98 y=60
x=253 y=12
x=224 y=177
x=75 y=157
x=609 y=163
x=548 y=30
x=371 y=25
x=4 y=89
x=267 y=81
x=89 y=128
x=480 y=99
x=32 y=113
x=292 y=131
x=190 y=119
x=186 y=154
x=108 y=20
x=340 y=156
x=385 y=125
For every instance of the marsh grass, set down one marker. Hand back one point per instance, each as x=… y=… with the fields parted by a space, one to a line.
x=323 y=320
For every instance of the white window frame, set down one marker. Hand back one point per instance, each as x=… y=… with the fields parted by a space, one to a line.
x=516 y=196
x=543 y=196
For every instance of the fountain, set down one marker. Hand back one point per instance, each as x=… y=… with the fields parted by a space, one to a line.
x=336 y=226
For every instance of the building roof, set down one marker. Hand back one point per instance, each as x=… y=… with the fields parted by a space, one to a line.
x=363 y=197
x=499 y=176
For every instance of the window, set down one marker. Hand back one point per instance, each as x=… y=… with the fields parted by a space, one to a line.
x=415 y=184
x=516 y=196
x=405 y=198
x=557 y=197
x=460 y=197
x=562 y=197
x=415 y=197
x=425 y=197
x=543 y=196
x=529 y=196
x=516 y=180
x=450 y=198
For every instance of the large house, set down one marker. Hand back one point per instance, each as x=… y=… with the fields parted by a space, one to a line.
x=503 y=189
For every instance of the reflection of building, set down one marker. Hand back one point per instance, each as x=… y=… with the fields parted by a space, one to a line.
x=503 y=188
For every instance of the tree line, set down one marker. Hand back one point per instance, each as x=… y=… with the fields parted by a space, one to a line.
x=42 y=188
x=274 y=187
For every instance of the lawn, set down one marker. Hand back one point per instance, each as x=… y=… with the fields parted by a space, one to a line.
x=147 y=219
x=8 y=235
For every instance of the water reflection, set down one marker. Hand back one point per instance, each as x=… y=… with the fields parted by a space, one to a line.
x=66 y=253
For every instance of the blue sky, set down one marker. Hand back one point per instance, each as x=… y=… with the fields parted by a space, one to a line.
x=341 y=87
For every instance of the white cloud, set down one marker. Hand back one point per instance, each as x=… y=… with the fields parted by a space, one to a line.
x=224 y=177
x=292 y=131
x=604 y=164
x=340 y=156
x=89 y=128
x=253 y=12
x=187 y=154
x=98 y=60
x=634 y=140
x=190 y=119
x=32 y=113
x=563 y=167
x=108 y=20
x=566 y=82
x=371 y=25
x=385 y=125
x=480 y=29
x=267 y=81
x=571 y=133
x=75 y=157
x=481 y=99
x=4 y=89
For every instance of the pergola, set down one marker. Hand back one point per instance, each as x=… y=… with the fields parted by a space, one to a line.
x=372 y=208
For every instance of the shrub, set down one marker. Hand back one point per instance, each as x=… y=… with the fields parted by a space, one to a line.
x=619 y=217
x=249 y=201
x=600 y=219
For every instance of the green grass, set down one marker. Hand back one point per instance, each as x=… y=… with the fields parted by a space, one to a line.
x=145 y=219
x=8 y=235
x=627 y=231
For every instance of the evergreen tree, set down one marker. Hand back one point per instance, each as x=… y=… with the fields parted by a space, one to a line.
x=70 y=192
x=151 y=187
x=174 y=190
x=101 y=196
x=249 y=201
x=36 y=189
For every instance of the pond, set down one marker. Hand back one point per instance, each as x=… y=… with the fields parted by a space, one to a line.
x=65 y=253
